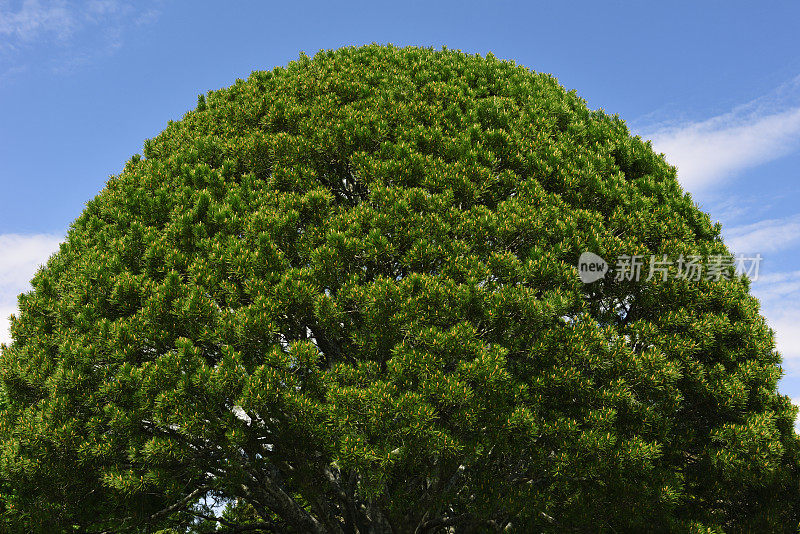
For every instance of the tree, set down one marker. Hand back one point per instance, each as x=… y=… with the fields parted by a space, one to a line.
x=342 y=296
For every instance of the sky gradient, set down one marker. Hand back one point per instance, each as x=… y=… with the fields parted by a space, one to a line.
x=715 y=85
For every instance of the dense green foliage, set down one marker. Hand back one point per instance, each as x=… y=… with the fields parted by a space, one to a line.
x=342 y=296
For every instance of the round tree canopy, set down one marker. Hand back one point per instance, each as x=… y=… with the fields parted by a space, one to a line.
x=343 y=296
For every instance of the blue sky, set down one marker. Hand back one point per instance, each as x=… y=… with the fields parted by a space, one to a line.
x=716 y=85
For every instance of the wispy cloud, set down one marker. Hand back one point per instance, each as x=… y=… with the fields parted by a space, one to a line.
x=61 y=34
x=787 y=337
x=779 y=294
x=770 y=235
x=709 y=151
x=34 y=19
x=20 y=257
x=796 y=402
x=776 y=286
x=733 y=208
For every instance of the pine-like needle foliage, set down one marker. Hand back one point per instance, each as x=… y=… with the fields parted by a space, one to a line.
x=342 y=297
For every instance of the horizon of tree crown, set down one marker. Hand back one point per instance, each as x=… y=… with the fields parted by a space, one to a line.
x=341 y=296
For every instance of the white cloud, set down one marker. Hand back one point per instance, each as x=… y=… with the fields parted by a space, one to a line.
x=796 y=402
x=709 y=151
x=787 y=336
x=779 y=294
x=5 y=313
x=784 y=321
x=20 y=257
x=62 y=34
x=769 y=235
x=103 y=7
x=777 y=286
x=34 y=19
x=734 y=208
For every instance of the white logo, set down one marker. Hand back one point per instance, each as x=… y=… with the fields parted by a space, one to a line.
x=591 y=267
